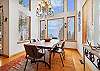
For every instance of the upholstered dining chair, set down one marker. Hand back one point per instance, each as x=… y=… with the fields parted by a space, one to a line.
x=60 y=51
x=33 y=55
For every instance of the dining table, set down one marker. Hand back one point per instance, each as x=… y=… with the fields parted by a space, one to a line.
x=46 y=45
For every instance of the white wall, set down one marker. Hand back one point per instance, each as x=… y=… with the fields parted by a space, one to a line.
x=90 y=27
x=96 y=13
x=79 y=34
x=34 y=22
x=13 y=29
x=14 y=9
x=96 y=29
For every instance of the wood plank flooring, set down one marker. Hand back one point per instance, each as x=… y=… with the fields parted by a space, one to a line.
x=68 y=52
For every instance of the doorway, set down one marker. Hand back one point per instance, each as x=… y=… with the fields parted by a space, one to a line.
x=1 y=29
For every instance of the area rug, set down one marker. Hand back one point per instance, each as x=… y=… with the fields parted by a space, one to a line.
x=18 y=64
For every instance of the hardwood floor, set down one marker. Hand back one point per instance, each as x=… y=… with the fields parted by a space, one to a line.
x=76 y=58
x=4 y=60
x=68 y=52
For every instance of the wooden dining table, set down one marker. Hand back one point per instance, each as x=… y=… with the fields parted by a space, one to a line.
x=46 y=45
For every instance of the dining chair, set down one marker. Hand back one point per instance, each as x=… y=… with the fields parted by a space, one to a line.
x=98 y=44
x=33 y=55
x=32 y=40
x=60 y=51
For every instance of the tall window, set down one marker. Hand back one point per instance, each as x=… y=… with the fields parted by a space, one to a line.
x=71 y=31
x=58 y=6
x=24 y=27
x=42 y=29
x=56 y=28
x=70 y=4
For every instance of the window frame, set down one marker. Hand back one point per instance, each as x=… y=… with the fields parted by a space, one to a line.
x=40 y=28
x=63 y=25
x=67 y=28
x=29 y=28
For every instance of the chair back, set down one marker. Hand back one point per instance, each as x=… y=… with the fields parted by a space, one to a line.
x=32 y=40
x=55 y=45
x=31 y=50
x=63 y=43
x=98 y=44
x=54 y=38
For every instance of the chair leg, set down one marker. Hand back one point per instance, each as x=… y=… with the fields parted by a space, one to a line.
x=33 y=61
x=26 y=64
x=61 y=60
x=37 y=66
x=44 y=60
x=53 y=55
x=42 y=50
x=63 y=55
x=50 y=53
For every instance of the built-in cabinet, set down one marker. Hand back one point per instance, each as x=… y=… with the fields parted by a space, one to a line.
x=4 y=36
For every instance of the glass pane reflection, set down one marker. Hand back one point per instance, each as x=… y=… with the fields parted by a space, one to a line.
x=70 y=32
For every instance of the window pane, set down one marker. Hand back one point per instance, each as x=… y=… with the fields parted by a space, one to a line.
x=23 y=26
x=58 y=6
x=56 y=28
x=25 y=3
x=70 y=32
x=42 y=29
x=70 y=5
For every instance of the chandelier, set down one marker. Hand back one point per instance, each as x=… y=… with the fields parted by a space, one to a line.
x=44 y=8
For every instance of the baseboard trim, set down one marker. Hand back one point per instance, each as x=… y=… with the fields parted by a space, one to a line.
x=17 y=54
x=7 y=56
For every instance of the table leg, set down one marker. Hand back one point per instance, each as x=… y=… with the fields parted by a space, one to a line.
x=50 y=58
x=84 y=57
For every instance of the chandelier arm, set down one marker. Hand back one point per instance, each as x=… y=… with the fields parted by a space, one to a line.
x=45 y=9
